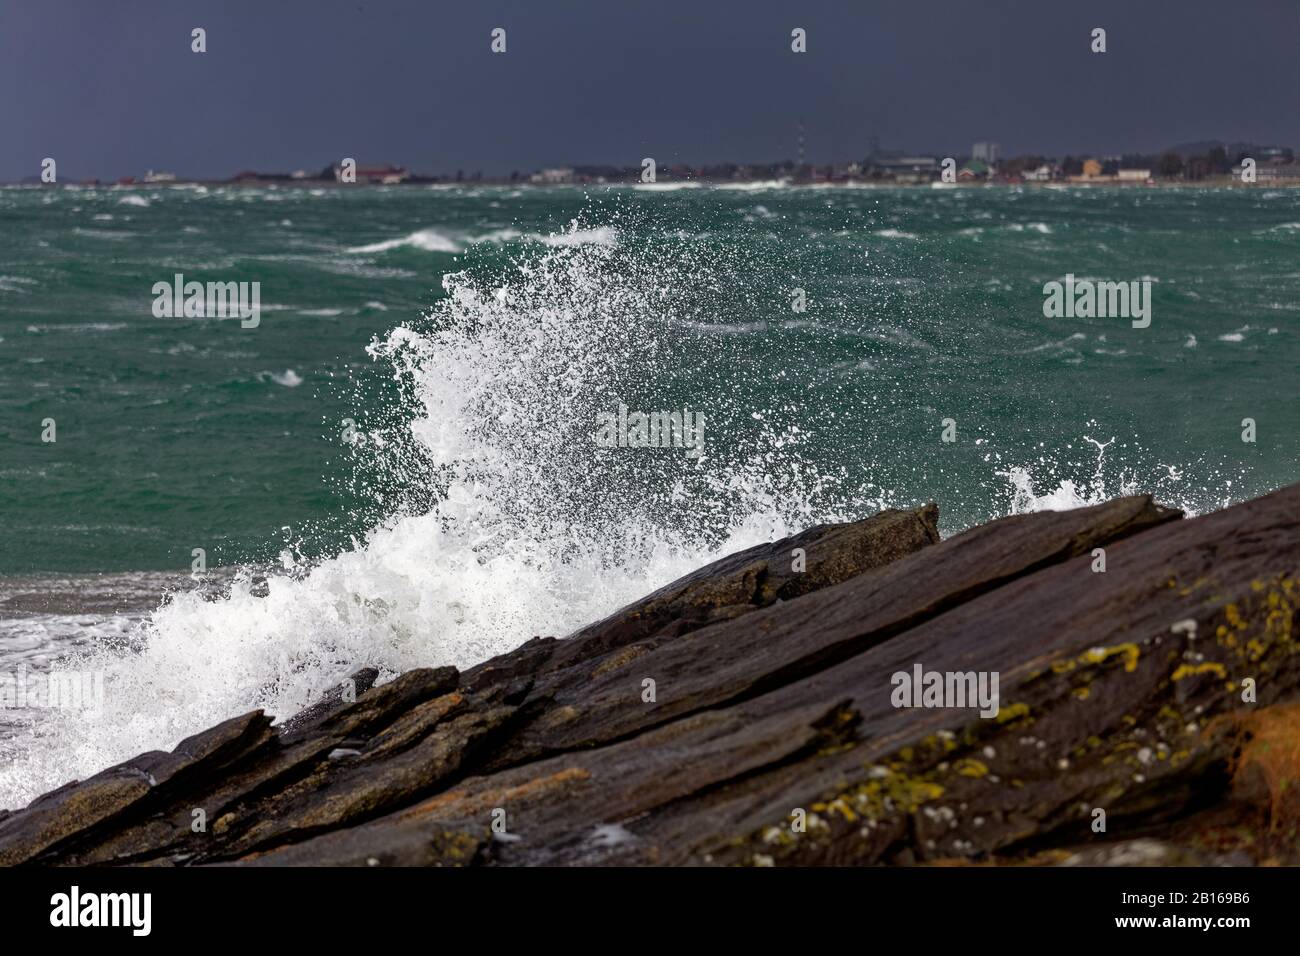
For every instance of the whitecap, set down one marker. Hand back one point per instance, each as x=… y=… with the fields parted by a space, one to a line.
x=667 y=187
x=427 y=240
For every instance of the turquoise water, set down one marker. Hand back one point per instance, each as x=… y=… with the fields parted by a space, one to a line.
x=174 y=434
x=403 y=449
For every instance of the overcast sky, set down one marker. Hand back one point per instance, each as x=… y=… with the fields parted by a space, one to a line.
x=112 y=88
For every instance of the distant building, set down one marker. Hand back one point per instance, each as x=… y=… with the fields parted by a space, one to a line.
x=1133 y=175
x=247 y=176
x=152 y=177
x=381 y=175
x=1289 y=174
x=904 y=169
x=1090 y=171
x=975 y=169
x=555 y=175
x=986 y=153
x=1043 y=174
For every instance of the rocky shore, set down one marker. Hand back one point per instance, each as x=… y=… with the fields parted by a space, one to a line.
x=1148 y=713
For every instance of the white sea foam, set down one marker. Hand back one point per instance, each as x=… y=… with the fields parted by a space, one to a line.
x=288 y=378
x=67 y=327
x=434 y=240
x=757 y=186
x=667 y=187
x=102 y=234
x=1066 y=495
x=428 y=240
x=535 y=530
x=16 y=284
x=498 y=236
x=574 y=236
x=1119 y=469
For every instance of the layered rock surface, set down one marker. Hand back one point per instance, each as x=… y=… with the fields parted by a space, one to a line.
x=746 y=714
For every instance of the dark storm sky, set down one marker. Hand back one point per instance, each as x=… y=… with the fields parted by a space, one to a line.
x=111 y=88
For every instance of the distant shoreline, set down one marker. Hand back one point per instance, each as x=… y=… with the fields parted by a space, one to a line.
x=1219 y=182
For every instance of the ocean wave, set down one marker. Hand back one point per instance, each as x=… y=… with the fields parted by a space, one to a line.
x=16 y=284
x=64 y=327
x=288 y=378
x=725 y=328
x=426 y=240
x=757 y=186
x=518 y=525
x=433 y=240
x=667 y=187
x=107 y=234
x=573 y=235
x=1039 y=485
x=600 y=235
x=532 y=528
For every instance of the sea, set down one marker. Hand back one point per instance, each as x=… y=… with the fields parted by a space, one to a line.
x=396 y=465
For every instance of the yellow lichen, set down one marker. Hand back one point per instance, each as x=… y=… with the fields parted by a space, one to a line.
x=1098 y=655
x=1189 y=670
x=1007 y=714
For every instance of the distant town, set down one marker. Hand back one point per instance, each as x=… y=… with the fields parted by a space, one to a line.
x=1210 y=162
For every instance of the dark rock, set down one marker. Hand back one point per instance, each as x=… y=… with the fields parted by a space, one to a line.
x=80 y=809
x=339 y=697
x=1119 y=692
x=597 y=700
x=726 y=589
